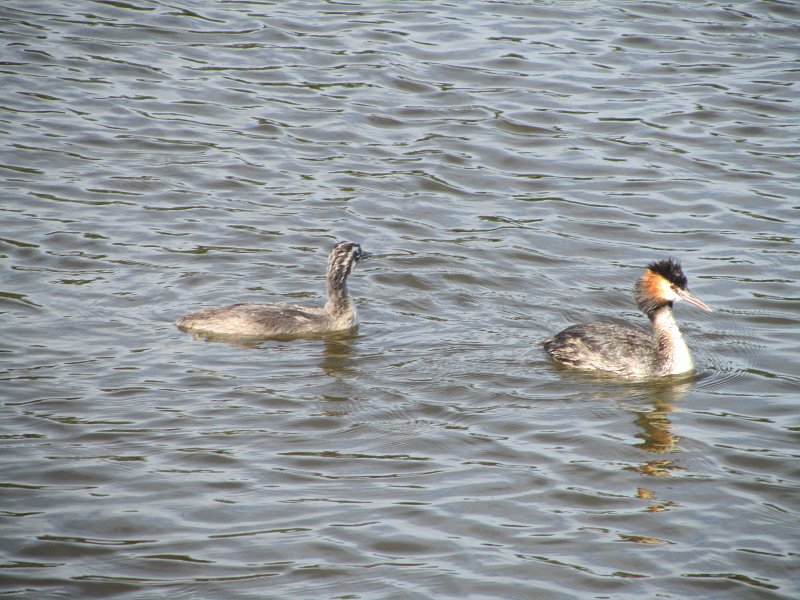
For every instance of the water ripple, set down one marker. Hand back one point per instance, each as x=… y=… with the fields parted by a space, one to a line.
x=512 y=166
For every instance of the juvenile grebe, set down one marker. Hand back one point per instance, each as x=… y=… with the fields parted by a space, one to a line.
x=628 y=351
x=273 y=320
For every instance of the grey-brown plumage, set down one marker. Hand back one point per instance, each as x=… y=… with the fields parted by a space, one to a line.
x=276 y=320
x=629 y=351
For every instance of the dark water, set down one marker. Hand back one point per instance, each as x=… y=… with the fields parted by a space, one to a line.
x=512 y=165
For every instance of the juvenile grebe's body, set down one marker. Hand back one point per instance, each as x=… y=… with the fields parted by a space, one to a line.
x=628 y=351
x=276 y=320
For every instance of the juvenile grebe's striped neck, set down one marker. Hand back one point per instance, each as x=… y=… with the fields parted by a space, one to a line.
x=342 y=260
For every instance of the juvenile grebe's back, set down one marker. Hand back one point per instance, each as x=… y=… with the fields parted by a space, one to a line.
x=275 y=320
x=628 y=351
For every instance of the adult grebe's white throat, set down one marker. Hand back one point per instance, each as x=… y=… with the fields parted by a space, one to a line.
x=674 y=356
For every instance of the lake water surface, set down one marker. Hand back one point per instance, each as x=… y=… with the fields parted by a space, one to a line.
x=513 y=166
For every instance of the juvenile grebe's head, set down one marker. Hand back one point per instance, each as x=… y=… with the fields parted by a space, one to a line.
x=662 y=284
x=344 y=256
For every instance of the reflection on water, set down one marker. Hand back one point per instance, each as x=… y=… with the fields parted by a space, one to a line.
x=656 y=427
x=514 y=164
x=657 y=438
x=338 y=358
x=656 y=430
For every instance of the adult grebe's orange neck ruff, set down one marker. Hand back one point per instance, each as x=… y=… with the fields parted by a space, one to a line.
x=661 y=284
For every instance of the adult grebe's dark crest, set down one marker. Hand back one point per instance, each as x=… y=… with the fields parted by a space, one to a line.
x=628 y=351
x=274 y=320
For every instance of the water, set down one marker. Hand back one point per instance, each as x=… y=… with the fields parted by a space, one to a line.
x=512 y=166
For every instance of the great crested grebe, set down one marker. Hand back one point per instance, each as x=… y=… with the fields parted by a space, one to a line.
x=274 y=320
x=628 y=351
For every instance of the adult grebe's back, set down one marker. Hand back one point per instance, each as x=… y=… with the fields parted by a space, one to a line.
x=628 y=351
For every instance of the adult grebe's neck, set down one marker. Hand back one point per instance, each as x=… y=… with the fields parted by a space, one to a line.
x=338 y=298
x=672 y=353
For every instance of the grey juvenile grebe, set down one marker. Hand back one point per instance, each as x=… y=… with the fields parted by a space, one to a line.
x=628 y=351
x=271 y=320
